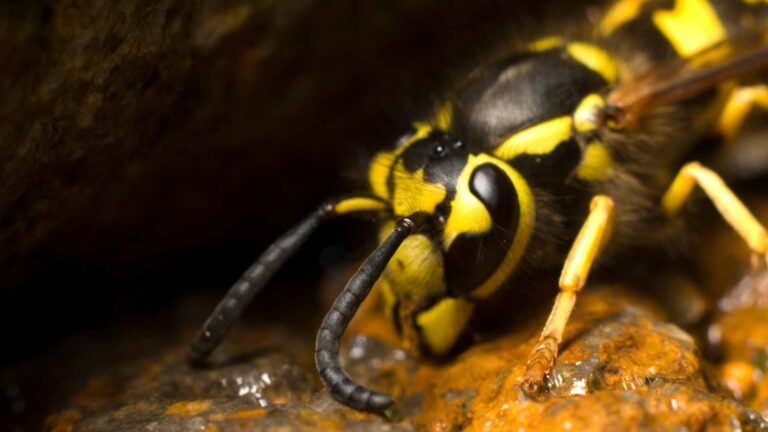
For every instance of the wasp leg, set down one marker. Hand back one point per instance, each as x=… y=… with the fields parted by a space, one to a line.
x=257 y=276
x=593 y=234
x=730 y=207
x=738 y=106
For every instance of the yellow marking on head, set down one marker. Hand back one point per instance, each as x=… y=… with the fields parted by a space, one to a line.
x=442 y=324
x=620 y=13
x=596 y=164
x=388 y=297
x=416 y=270
x=422 y=130
x=594 y=58
x=545 y=43
x=690 y=26
x=358 y=204
x=383 y=162
x=527 y=207
x=738 y=106
x=413 y=193
x=468 y=213
x=378 y=171
x=443 y=117
x=538 y=139
x=587 y=116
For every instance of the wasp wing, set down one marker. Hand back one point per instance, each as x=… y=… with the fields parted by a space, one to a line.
x=735 y=57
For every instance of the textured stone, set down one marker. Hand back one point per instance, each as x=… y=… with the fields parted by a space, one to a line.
x=622 y=366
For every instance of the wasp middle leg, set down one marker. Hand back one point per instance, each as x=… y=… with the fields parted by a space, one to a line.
x=728 y=204
x=740 y=103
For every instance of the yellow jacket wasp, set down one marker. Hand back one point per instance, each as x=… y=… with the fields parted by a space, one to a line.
x=565 y=148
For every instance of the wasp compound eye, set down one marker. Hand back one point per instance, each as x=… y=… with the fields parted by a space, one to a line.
x=485 y=250
x=492 y=187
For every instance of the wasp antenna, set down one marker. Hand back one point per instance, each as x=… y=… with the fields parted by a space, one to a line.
x=251 y=282
x=340 y=385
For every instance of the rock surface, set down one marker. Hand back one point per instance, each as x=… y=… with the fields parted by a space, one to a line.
x=622 y=369
x=266 y=390
x=623 y=366
x=741 y=329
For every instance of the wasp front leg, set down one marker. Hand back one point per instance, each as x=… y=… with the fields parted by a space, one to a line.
x=591 y=237
x=728 y=204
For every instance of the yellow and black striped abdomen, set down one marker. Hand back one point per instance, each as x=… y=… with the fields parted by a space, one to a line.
x=645 y=33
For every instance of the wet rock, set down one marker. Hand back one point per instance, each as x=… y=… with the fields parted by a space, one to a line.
x=265 y=390
x=622 y=366
x=740 y=331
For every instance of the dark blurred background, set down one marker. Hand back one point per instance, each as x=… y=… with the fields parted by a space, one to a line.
x=150 y=149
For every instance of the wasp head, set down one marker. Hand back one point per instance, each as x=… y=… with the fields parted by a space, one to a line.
x=471 y=205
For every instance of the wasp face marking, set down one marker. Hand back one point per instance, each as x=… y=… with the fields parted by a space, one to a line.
x=422 y=178
x=423 y=172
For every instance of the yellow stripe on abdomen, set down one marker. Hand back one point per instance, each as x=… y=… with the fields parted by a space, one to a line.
x=622 y=12
x=690 y=26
